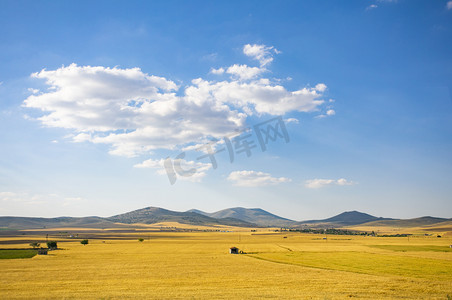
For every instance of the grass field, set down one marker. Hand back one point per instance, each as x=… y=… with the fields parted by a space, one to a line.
x=194 y=265
x=17 y=253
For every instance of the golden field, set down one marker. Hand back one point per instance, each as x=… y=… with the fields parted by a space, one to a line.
x=197 y=265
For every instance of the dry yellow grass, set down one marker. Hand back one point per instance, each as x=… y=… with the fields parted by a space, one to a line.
x=202 y=227
x=197 y=265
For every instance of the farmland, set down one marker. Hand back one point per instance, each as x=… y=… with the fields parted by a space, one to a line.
x=196 y=264
x=17 y=253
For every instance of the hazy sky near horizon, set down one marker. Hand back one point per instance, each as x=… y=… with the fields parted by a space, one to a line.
x=94 y=95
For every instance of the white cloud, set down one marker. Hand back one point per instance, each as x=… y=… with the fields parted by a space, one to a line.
x=33 y=91
x=320 y=87
x=372 y=6
x=150 y=163
x=135 y=113
x=81 y=137
x=243 y=72
x=320 y=183
x=292 y=120
x=343 y=181
x=264 y=97
x=330 y=112
x=449 y=5
x=218 y=71
x=254 y=179
x=128 y=109
x=261 y=53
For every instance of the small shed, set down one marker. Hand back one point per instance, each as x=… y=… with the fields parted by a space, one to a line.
x=234 y=250
x=42 y=251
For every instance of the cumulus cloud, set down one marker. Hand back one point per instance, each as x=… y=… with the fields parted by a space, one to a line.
x=320 y=183
x=330 y=112
x=136 y=113
x=292 y=120
x=261 y=53
x=151 y=163
x=254 y=179
x=33 y=91
x=128 y=109
x=244 y=72
x=218 y=71
x=320 y=87
x=265 y=97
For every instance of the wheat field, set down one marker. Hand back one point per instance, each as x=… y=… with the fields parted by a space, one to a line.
x=197 y=265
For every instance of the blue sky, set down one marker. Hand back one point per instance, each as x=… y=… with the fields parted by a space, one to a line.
x=95 y=95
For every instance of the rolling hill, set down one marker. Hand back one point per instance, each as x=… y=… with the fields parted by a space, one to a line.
x=345 y=219
x=237 y=216
x=252 y=215
x=151 y=215
x=415 y=222
x=37 y=223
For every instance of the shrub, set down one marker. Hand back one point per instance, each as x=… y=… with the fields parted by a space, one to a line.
x=84 y=242
x=140 y=239
x=52 y=245
x=35 y=245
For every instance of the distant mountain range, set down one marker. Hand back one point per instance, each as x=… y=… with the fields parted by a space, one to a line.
x=251 y=215
x=36 y=223
x=238 y=216
x=151 y=215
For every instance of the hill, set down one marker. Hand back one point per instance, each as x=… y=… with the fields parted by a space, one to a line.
x=415 y=222
x=37 y=223
x=252 y=215
x=344 y=219
x=237 y=216
x=151 y=215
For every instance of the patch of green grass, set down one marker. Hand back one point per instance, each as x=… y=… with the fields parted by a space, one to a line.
x=368 y=263
x=406 y=248
x=15 y=253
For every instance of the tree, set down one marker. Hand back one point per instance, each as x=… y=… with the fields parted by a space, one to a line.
x=35 y=245
x=52 y=245
x=84 y=242
x=140 y=239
